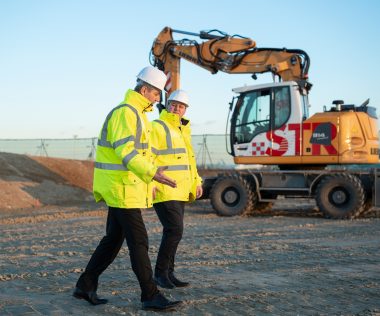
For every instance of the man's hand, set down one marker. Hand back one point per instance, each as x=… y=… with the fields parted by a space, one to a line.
x=199 y=191
x=161 y=178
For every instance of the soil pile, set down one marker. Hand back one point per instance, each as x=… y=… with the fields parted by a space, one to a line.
x=30 y=182
x=33 y=182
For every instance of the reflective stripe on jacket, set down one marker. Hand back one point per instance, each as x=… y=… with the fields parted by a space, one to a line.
x=124 y=166
x=171 y=146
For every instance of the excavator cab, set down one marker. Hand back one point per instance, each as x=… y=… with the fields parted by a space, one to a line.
x=263 y=117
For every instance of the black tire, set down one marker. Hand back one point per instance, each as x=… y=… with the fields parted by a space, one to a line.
x=232 y=195
x=340 y=196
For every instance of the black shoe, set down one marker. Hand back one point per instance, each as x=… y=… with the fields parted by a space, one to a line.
x=177 y=282
x=159 y=303
x=163 y=281
x=90 y=297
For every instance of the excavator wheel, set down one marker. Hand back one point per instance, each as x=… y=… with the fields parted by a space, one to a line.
x=232 y=195
x=340 y=196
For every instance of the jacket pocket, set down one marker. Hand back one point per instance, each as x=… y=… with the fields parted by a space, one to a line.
x=134 y=189
x=131 y=179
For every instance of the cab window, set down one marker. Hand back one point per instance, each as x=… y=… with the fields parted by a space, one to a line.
x=281 y=106
x=252 y=116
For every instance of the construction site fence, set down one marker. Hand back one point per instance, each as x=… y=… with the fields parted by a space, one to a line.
x=210 y=149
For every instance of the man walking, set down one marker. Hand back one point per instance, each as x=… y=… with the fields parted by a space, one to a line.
x=171 y=143
x=123 y=174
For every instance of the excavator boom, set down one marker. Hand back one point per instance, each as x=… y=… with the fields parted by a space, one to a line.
x=231 y=54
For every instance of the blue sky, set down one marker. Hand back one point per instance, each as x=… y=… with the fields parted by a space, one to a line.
x=65 y=64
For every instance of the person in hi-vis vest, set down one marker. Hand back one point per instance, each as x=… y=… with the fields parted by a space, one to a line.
x=171 y=146
x=123 y=175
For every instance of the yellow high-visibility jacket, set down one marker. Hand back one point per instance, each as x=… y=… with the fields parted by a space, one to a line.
x=124 y=165
x=171 y=146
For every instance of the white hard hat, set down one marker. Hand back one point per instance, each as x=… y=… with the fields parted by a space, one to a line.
x=180 y=96
x=153 y=76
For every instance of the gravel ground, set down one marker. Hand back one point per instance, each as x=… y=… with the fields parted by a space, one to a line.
x=291 y=262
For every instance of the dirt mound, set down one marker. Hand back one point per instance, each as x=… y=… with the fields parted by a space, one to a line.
x=33 y=182
x=28 y=181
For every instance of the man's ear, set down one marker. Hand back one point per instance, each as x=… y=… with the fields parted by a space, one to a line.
x=143 y=90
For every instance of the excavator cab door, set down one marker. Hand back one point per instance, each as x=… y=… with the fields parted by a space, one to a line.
x=251 y=116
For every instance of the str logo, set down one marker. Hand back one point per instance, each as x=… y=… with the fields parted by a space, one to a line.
x=321 y=137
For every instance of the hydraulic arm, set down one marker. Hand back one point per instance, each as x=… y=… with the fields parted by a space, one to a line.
x=231 y=54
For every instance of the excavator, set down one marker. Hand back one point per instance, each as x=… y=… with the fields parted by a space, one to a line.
x=299 y=155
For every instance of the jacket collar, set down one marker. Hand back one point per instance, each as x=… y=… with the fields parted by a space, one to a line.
x=173 y=119
x=139 y=102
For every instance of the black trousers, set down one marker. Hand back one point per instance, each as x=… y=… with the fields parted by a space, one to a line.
x=170 y=214
x=122 y=224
